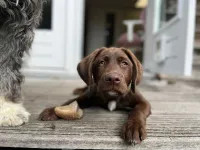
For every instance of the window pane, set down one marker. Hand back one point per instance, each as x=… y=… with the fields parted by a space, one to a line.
x=168 y=10
x=47 y=16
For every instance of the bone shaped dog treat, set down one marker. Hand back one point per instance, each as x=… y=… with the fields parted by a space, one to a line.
x=69 y=112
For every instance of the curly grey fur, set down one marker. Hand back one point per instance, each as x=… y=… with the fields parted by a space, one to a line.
x=18 y=19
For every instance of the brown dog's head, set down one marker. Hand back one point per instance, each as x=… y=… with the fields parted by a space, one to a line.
x=112 y=70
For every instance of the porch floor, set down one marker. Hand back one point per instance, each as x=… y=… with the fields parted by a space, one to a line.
x=174 y=123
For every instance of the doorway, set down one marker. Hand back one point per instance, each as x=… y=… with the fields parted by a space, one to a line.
x=104 y=22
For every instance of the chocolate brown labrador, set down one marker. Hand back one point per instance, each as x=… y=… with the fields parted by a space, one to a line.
x=111 y=75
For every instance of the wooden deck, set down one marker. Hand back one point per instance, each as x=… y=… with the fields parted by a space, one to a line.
x=174 y=123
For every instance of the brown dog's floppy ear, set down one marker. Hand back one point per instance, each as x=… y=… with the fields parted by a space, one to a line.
x=84 y=68
x=137 y=68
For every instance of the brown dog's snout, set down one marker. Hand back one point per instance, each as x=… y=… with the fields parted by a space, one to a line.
x=112 y=78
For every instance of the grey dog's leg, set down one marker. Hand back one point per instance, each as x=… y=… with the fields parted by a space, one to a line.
x=18 y=19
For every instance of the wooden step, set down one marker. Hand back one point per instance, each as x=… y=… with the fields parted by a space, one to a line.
x=197 y=30
x=198 y=21
x=197 y=44
x=197 y=35
x=198 y=6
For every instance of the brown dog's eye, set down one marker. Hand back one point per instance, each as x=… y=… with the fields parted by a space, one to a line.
x=102 y=63
x=124 y=63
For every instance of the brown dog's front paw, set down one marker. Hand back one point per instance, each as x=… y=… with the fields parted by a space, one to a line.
x=48 y=115
x=133 y=132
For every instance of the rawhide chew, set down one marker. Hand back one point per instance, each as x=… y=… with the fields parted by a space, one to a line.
x=69 y=112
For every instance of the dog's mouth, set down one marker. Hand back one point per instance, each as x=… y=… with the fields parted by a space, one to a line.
x=111 y=93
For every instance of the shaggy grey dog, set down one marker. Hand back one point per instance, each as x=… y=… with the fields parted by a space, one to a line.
x=18 y=19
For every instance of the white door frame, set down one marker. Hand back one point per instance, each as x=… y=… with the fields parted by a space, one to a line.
x=73 y=47
x=74 y=34
x=151 y=36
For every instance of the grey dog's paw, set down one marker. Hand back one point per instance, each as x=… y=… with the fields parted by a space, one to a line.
x=12 y=114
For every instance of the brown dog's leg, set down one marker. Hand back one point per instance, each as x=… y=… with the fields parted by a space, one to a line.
x=80 y=91
x=48 y=114
x=134 y=130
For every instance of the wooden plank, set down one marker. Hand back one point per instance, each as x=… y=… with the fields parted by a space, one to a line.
x=99 y=131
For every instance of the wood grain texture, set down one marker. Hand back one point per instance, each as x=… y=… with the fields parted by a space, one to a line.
x=174 y=123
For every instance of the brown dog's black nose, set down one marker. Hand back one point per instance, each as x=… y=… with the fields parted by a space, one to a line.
x=112 y=79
